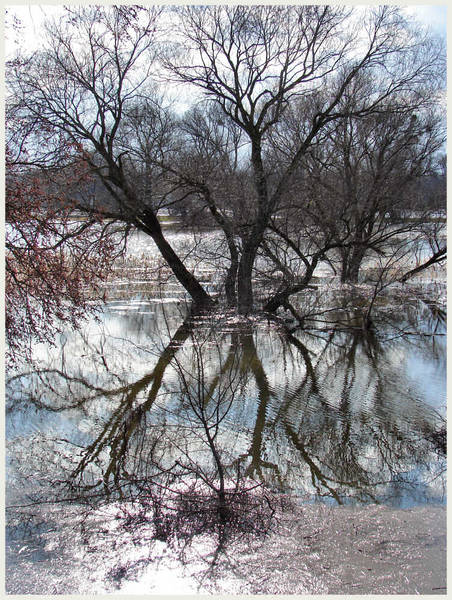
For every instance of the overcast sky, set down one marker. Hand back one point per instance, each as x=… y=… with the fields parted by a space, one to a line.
x=31 y=15
x=434 y=16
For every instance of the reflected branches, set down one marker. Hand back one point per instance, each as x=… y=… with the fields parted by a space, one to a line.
x=229 y=414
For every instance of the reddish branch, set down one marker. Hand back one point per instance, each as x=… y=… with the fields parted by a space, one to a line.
x=53 y=265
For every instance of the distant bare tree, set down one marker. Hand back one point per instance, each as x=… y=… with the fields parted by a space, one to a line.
x=355 y=193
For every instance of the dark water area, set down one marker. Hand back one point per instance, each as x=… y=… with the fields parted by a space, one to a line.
x=185 y=424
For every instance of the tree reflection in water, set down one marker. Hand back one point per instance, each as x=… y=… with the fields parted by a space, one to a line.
x=221 y=419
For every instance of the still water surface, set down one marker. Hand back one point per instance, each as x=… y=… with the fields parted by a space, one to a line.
x=147 y=408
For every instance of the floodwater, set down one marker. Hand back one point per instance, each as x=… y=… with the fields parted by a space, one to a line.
x=154 y=447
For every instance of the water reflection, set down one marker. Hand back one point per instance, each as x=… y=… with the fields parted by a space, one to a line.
x=193 y=426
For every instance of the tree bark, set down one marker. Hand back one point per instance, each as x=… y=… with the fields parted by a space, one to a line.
x=231 y=278
x=245 y=299
x=149 y=223
x=351 y=264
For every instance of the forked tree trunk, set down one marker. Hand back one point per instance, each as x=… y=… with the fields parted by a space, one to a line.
x=351 y=264
x=224 y=223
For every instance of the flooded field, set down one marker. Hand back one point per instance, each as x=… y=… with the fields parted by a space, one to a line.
x=225 y=300
x=204 y=454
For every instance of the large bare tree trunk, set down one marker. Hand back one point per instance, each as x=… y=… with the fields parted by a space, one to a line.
x=244 y=285
x=150 y=225
x=351 y=264
x=245 y=297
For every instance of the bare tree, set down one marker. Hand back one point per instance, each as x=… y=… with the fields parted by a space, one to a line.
x=254 y=61
x=90 y=89
x=367 y=180
x=82 y=89
x=357 y=192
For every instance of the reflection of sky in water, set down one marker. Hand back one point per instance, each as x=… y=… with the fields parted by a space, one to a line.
x=318 y=398
x=427 y=379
